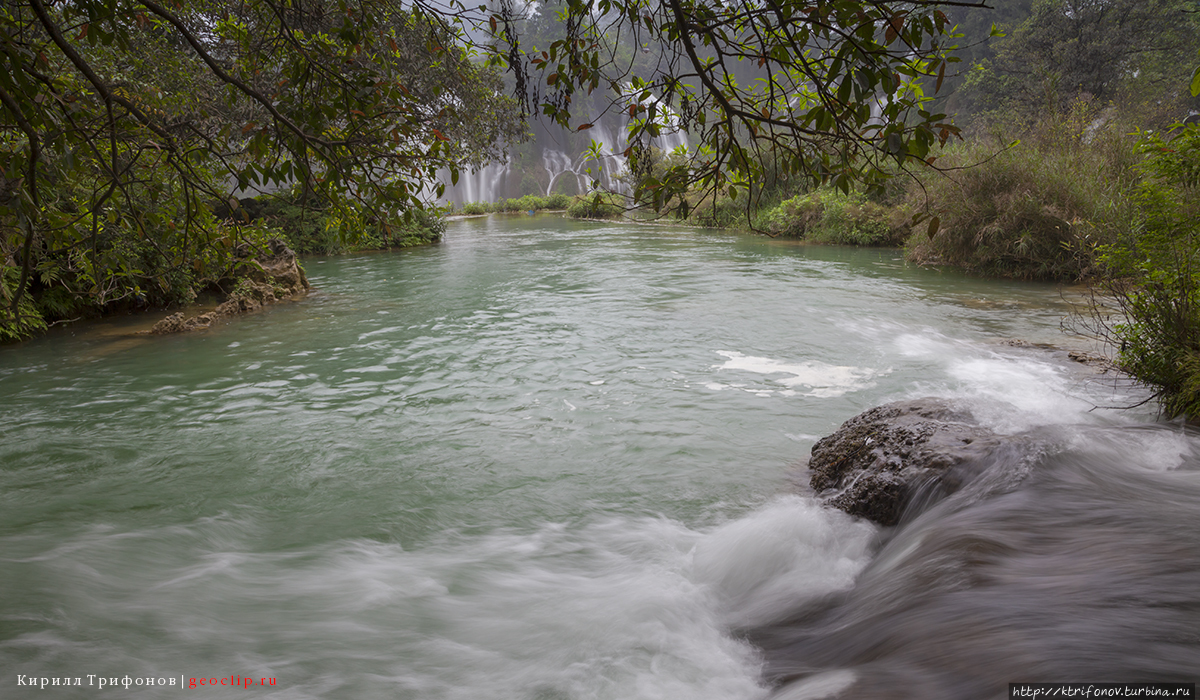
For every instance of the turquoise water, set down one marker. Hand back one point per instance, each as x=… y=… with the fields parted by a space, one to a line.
x=543 y=459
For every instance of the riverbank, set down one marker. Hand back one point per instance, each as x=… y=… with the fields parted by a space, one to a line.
x=221 y=258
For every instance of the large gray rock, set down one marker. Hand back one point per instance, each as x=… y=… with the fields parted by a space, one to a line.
x=878 y=461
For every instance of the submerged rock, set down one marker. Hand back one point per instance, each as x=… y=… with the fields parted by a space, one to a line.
x=877 y=462
x=176 y=323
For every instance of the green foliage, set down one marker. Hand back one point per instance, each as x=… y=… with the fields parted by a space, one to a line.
x=530 y=202
x=24 y=324
x=982 y=29
x=714 y=211
x=558 y=201
x=828 y=216
x=306 y=228
x=793 y=218
x=598 y=205
x=122 y=121
x=1126 y=49
x=1155 y=274
x=312 y=226
x=1036 y=209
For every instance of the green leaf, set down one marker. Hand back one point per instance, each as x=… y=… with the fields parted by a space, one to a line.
x=1196 y=82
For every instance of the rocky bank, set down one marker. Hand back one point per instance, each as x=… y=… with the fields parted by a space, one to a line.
x=256 y=282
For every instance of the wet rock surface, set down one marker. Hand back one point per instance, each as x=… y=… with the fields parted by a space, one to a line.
x=876 y=463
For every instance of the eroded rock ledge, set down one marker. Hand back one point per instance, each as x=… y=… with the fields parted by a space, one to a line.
x=878 y=461
x=256 y=282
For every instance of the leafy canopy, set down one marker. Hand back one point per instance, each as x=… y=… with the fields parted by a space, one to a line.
x=1101 y=49
x=125 y=121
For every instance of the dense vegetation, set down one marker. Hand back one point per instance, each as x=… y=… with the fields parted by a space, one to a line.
x=129 y=125
x=1153 y=275
x=527 y=203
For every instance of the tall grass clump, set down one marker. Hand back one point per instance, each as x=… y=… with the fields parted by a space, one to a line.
x=1035 y=209
x=598 y=205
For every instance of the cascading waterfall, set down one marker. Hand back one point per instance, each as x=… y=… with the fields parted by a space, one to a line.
x=483 y=185
x=612 y=165
x=560 y=152
x=558 y=163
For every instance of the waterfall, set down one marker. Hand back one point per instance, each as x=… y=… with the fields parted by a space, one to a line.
x=560 y=152
x=558 y=163
x=611 y=163
x=487 y=184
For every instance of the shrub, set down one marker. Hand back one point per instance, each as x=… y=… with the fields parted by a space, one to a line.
x=598 y=205
x=312 y=227
x=530 y=202
x=474 y=208
x=1154 y=275
x=828 y=216
x=719 y=212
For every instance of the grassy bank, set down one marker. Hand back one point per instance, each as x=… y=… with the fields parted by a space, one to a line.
x=1038 y=207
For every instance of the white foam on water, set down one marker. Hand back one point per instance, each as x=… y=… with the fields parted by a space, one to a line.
x=609 y=610
x=791 y=551
x=822 y=380
x=821 y=686
x=1147 y=447
x=1012 y=390
x=615 y=609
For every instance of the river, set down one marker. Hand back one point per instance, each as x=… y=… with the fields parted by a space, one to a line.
x=551 y=460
